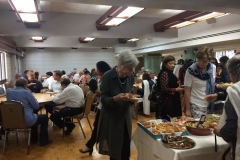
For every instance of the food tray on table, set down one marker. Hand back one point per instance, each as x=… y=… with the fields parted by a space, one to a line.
x=160 y=127
x=181 y=120
x=213 y=118
x=178 y=142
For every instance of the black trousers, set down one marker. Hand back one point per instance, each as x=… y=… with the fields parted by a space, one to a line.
x=93 y=139
x=125 y=146
x=43 y=121
x=56 y=117
x=49 y=107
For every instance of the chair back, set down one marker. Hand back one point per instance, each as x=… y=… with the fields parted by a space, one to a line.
x=8 y=85
x=83 y=88
x=135 y=88
x=12 y=113
x=88 y=103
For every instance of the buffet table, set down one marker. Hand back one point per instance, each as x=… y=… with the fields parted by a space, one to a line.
x=150 y=149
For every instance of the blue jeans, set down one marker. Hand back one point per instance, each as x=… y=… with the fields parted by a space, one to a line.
x=43 y=121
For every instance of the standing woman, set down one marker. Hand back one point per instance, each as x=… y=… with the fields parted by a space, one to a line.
x=229 y=124
x=168 y=82
x=115 y=121
x=94 y=86
x=199 y=82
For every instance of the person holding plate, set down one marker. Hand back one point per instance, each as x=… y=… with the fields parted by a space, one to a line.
x=115 y=121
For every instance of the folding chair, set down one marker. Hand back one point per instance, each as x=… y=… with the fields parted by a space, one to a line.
x=12 y=113
x=88 y=103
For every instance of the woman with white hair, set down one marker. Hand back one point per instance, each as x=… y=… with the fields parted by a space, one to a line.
x=115 y=121
x=229 y=124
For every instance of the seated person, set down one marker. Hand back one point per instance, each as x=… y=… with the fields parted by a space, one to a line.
x=72 y=96
x=21 y=93
x=55 y=86
x=2 y=92
x=47 y=82
x=13 y=80
x=34 y=85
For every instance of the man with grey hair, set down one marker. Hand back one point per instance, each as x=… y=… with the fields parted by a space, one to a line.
x=115 y=118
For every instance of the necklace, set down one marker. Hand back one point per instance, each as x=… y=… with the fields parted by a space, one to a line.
x=122 y=83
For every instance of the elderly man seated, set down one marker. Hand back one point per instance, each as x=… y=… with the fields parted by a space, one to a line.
x=72 y=96
x=22 y=94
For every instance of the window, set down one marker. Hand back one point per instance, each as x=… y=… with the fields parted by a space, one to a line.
x=3 y=67
x=228 y=53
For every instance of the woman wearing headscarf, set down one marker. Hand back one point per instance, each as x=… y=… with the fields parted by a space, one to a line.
x=229 y=124
x=115 y=122
x=168 y=83
x=198 y=82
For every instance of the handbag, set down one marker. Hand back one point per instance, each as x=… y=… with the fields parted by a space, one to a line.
x=156 y=94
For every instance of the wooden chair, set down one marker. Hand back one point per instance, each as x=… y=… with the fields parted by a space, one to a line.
x=8 y=85
x=12 y=113
x=88 y=104
x=135 y=88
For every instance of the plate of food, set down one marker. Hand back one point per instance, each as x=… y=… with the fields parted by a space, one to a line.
x=204 y=128
x=178 y=142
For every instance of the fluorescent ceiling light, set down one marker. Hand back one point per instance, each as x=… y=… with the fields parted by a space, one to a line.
x=27 y=17
x=37 y=38
x=208 y=16
x=133 y=39
x=24 y=5
x=222 y=15
x=183 y=24
x=88 y=39
x=129 y=12
x=115 y=21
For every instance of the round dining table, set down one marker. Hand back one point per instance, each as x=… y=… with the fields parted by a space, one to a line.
x=42 y=98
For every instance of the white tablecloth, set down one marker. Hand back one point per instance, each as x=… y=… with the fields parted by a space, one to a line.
x=150 y=149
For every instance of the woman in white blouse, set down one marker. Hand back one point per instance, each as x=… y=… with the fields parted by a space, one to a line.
x=198 y=82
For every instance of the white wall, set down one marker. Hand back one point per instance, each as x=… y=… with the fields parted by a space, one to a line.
x=50 y=59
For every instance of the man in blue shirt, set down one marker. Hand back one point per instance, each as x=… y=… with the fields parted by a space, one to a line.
x=34 y=85
x=21 y=93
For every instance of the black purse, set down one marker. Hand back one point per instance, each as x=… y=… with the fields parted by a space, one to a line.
x=156 y=94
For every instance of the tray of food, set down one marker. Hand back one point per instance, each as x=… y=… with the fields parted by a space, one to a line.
x=204 y=128
x=213 y=118
x=178 y=142
x=160 y=127
x=181 y=120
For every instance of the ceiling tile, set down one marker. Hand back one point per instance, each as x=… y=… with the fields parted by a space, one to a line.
x=63 y=7
x=4 y=4
x=82 y=8
x=45 y=6
x=98 y=9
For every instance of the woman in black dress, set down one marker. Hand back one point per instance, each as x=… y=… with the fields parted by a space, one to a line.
x=170 y=104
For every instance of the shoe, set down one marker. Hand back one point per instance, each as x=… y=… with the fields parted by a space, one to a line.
x=49 y=142
x=69 y=129
x=86 y=151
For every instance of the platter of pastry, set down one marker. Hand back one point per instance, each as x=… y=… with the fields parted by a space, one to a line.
x=178 y=142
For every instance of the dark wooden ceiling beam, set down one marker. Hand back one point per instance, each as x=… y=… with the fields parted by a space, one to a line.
x=106 y=17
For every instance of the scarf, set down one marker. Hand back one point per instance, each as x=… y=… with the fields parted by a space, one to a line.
x=208 y=76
